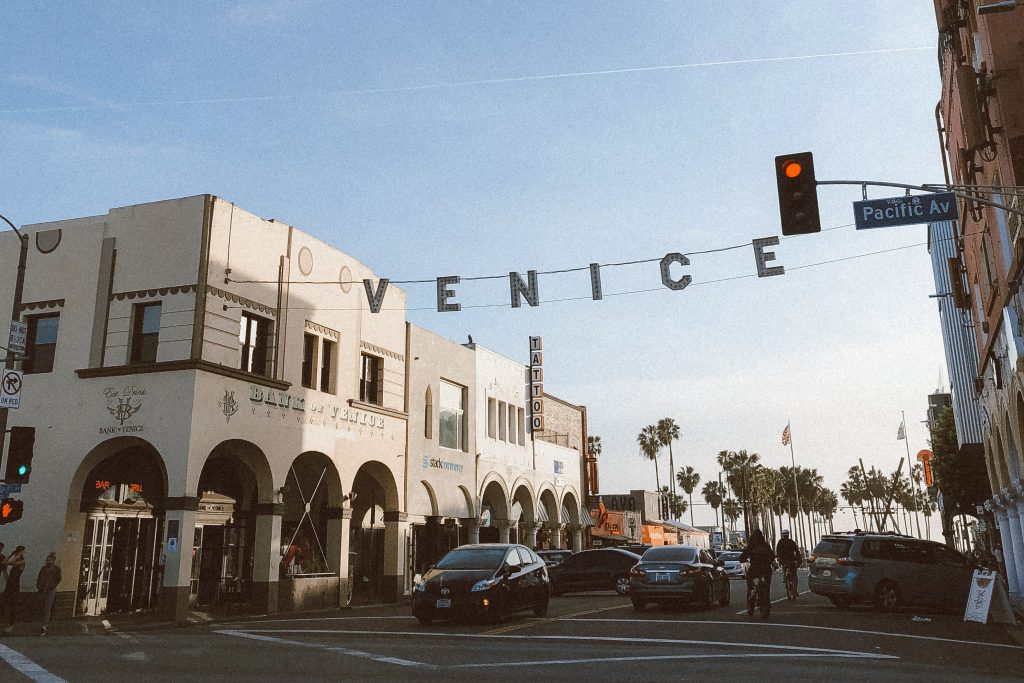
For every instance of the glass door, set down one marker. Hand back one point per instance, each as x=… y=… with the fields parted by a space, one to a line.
x=94 y=577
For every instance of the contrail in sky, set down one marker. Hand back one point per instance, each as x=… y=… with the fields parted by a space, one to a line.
x=462 y=84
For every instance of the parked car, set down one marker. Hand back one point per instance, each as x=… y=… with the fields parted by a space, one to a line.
x=889 y=571
x=487 y=580
x=730 y=560
x=553 y=557
x=594 y=570
x=678 y=573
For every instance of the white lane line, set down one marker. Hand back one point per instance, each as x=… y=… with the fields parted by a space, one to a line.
x=768 y=624
x=328 y=648
x=631 y=640
x=775 y=601
x=406 y=617
x=27 y=667
x=647 y=658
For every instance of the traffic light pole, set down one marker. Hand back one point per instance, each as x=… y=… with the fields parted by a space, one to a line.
x=938 y=187
x=19 y=287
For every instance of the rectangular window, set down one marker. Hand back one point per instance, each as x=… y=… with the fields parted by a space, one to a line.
x=254 y=336
x=522 y=425
x=327 y=366
x=145 y=332
x=41 y=344
x=452 y=431
x=502 y=421
x=492 y=418
x=308 y=359
x=511 y=423
x=371 y=379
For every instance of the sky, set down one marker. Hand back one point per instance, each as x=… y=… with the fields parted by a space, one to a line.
x=432 y=139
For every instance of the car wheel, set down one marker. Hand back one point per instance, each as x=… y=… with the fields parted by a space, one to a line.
x=709 y=596
x=639 y=605
x=840 y=602
x=622 y=585
x=424 y=620
x=887 y=596
x=541 y=610
x=726 y=594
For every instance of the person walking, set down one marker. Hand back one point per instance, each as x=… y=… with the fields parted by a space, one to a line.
x=46 y=583
x=12 y=589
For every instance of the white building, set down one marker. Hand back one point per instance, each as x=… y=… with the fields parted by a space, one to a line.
x=219 y=416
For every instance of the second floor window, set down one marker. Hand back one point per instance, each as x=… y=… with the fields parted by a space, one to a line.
x=308 y=359
x=327 y=366
x=145 y=333
x=371 y=379
x=452 y=424
x=254 y=336
x=41 y=343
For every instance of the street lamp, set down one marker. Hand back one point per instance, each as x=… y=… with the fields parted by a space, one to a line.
x=19 y=286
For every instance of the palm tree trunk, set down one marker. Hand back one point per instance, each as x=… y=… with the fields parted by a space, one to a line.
x=671 y=469
x=691 y=506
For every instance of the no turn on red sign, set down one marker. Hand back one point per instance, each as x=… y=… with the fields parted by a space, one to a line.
x=10 y=389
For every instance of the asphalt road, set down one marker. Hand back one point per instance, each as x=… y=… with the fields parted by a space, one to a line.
x=590 y=637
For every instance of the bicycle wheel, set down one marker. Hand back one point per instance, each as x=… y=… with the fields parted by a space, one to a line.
x=765 y=602
x=791 y=589
x=751 y=597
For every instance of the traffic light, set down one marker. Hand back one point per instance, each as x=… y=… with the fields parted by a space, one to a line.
x=19 y=457
x=798 y=193
x=11 y=510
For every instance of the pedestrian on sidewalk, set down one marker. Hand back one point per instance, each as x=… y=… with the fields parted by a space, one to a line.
x=12 y=589
x=46 y=583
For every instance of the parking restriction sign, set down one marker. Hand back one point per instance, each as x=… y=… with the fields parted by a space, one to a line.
x=10 y=389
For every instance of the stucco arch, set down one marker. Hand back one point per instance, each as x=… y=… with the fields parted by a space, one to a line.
x=495 y=495
x=522 y=493
x=549 y=501
x=571 y=503
x=239 y=452
x=471 y=510
x=431 y=496
x=101 y=452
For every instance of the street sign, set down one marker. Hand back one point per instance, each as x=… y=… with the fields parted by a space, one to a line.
x=10 y=389
x=921 y=208
x=8 y=489
x=18 y=338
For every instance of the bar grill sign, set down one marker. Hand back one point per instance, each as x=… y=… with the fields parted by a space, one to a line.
x=921 y=208
x=536 y=385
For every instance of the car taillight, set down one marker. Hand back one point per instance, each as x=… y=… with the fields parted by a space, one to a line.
x=811 y=559
x=636 y=571
x=688 y=572
x=847 y=562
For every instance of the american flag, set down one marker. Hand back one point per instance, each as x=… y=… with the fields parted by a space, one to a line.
x=785 y=436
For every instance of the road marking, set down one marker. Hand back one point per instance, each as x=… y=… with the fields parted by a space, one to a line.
x=647 y=658
x=629 y=640
x=535 y=622
x=775 y=601
x=27 y=667
x=328 y=648
x=813 y=628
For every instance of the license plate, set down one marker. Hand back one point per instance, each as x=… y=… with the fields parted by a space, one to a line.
x=661 y=578
x=826 y=573
x=444 y=602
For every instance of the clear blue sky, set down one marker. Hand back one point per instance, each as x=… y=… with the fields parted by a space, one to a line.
x=476 y=138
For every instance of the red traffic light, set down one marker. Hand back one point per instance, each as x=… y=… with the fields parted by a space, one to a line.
x=798 y=194
x=791 y=168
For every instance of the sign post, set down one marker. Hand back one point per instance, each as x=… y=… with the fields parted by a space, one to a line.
x=19 y=337
x=909 y=210
x=10 y=389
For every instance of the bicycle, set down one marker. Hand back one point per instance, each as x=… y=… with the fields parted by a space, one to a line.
x=758 y=597
x=791 y=582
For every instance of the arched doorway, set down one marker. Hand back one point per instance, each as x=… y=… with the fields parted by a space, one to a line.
x=224 y=540
x=374 y=529
x=571 y=523
x=522 y=517
x=493 y=512
x=121 y=491
x=549 y=535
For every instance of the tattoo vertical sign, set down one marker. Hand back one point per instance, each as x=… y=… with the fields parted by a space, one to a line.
x=536 y=385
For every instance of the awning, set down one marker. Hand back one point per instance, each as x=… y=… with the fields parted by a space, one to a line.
x=542 y=514
x=585 y=518
x=566 y=519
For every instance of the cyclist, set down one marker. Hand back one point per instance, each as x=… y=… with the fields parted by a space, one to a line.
x=788 y=555
x=761 y=557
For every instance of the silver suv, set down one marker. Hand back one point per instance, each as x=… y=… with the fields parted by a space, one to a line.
x=889 y=571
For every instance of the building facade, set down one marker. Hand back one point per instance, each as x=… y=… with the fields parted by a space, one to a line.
x=980 y=119
x=214 y=423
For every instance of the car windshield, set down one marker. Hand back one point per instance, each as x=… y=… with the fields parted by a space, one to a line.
x=473 y=558
x=833 y=547
x=728 y=557
x=669 y=553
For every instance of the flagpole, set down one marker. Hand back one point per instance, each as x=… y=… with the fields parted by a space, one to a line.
x=796 y=486
x=910 y=468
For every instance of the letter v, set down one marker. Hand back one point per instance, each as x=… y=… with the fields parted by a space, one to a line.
x=375 y=298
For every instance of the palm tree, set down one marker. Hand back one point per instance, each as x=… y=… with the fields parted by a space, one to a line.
x=594 y=446
x=687 y=478
x=668 y=431
x=673 y=502
x=714 y=494
x=731 y=511
x=650 y=444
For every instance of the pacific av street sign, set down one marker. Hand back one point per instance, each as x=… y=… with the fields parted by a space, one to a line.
x=921 y=208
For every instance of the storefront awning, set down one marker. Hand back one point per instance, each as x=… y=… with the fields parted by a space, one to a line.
x=542 y=515
x=585 y=518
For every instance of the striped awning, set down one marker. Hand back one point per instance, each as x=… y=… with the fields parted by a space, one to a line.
x=566 y=519
x=542 y=514
x=585 y=518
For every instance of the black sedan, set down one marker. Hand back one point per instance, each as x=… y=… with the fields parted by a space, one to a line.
x=678 y=573
x=553 y=557
x=594 y=570
x=486 y=581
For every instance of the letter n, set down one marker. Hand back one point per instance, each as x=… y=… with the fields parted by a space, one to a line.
x=520 y=287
